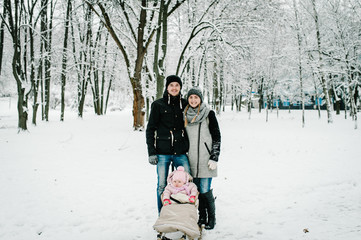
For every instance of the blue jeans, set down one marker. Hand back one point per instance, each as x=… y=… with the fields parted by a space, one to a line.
x=164 y=162
x=203 y=184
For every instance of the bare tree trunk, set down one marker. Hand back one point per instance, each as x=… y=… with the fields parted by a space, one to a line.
x=350 y=69
x=49 y=58
x=299 y=41
x=221 y=85
x=2 y=34
x=147 y=100
x=353 y=106
x=110 y=83
x=319 y=66
x=268 y=104
x=46 y=36
x=85 y=58
x=45 y=29
x=136 y=81
x=142 y=45
x=239 y=102
x=278 y=107
x=34 y=85
x=250 y=100
x=41 y=74
x=260 y=93
x=64 y=60
x=162 y=34
x=103 y=74
x=345 y=103
x=78 y=62
x=215 y=88
x=314 y=79
x=15 y=14
x=94 y=84
x=316 y=95
x=337 y=100
x=351 y=89
x=205 y=81
x=232 y=97
x=158 y=67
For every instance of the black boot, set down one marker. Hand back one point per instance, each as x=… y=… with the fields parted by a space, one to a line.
x=211 y=210
x=202 y=210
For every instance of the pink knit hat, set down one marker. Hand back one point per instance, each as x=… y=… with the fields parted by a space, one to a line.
x=180 y=174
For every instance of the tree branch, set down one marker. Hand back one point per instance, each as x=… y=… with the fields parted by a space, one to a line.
x=128 y=20
x=193 y=35
x=106 y=21
x=179 y=2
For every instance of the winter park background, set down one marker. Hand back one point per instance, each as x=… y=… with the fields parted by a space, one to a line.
x=77 y=79
x=89 y=179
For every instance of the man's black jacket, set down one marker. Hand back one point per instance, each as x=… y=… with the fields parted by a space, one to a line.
x=165 y=130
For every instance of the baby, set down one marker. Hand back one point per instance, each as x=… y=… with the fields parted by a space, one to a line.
x=178 y=182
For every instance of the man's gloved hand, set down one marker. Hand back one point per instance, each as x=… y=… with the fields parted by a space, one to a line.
x=212 y=165
x=153 y=159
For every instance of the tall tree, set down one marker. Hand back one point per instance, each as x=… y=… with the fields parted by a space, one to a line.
x=65 y=59
x=142 y=43
x=32 y=33
x=345 y=54
x=15 y=14
x=320 y=62
x=2 y=34
x=46 y=22
x=161 y=42
x=299 y=42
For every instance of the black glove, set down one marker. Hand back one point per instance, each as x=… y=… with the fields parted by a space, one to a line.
x=214 y=157
x=216 y=147
x=153 y=159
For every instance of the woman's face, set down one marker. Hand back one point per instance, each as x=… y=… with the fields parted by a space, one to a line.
x=194 y=100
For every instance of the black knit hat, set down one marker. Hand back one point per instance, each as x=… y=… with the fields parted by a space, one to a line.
x=195 y=91
x=173 y=78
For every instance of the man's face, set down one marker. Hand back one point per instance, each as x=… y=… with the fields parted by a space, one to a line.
x=173 y=89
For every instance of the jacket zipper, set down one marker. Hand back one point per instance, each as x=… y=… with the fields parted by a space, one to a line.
x=199 y=144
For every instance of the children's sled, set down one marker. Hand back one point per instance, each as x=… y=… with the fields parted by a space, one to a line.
x=179 y=216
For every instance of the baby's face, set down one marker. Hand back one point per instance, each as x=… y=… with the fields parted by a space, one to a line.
x=177 y=183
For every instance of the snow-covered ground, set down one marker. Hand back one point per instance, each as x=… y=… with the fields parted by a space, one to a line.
x=89 y=179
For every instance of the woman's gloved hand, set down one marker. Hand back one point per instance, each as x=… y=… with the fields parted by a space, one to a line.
x=212 y=165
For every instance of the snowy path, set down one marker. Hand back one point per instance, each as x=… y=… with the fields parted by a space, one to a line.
x=90 y=180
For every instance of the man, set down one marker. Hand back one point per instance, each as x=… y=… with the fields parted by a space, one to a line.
x=166 y=138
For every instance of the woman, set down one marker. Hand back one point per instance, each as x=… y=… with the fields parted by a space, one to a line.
x=204 y=147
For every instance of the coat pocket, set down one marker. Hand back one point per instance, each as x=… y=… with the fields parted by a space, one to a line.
x=209 y=151
x=163 y=145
